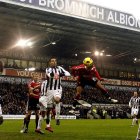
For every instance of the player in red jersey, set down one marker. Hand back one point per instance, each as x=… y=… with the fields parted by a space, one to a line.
x=88 y=75
x=32 y=104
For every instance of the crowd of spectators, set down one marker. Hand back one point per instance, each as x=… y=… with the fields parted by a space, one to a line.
x=14 y=97
x=15 y=66
x=112 y=112
x=92 y=95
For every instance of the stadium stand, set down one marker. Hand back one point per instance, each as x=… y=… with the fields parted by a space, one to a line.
x=14 y=97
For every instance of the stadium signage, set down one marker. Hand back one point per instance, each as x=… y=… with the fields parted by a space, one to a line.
x=7 y=117
x=82 y=10
x=20 y=73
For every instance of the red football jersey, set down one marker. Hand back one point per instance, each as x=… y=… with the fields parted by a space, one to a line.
x=82 y=72
x=33 y=84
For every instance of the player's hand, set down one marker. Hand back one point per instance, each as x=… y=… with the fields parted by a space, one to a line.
x=56 y=76
x=37 y=86
x=36 y=90
x=34 y=95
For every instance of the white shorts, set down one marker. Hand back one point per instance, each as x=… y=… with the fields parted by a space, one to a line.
x=44 y=103
x=51 y=94
x=134 y=111
x=48 y=100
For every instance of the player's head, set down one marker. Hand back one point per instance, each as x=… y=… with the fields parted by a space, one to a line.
x=88 y=62
x=53 y=62
x=35 y=78
x=135 y=93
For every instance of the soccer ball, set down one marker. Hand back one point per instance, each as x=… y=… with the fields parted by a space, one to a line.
x=88 y=62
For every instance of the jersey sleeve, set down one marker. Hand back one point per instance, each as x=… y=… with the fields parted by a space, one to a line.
x=130 y=102
x=75 y=69
x=63 y=72
x=48 y=72
x=96 y=73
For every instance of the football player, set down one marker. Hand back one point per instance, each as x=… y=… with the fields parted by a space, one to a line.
x=87 y=74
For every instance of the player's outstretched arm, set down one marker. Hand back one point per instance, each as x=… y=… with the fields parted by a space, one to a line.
x=63 y=72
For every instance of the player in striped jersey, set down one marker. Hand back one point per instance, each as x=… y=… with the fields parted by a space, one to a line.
x=54 y=74
x=45 y=109
x=134 y=104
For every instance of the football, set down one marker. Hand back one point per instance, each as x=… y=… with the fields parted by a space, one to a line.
x=88 y=62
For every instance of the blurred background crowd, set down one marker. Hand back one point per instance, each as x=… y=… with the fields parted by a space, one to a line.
x=14 y=96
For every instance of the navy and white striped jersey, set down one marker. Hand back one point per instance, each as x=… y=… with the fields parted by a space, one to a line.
x=134 y=102
x=54 y=76
x=44 y=86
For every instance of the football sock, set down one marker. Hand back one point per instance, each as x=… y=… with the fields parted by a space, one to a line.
x=27 y=121
x=36 y=120
x=57 y=108
x=40 y=122
x=133 y=121
x=48 y=119
x=77 y=97
x=24 y=121
x=138 y=133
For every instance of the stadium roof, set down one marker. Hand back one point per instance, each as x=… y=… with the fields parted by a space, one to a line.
x=72 y=35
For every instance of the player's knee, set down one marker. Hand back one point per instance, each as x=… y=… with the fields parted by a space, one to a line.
x=57 y=99
x=42 y=113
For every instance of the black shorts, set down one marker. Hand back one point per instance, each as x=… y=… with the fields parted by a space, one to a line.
x=33 y=104
x=83 y=82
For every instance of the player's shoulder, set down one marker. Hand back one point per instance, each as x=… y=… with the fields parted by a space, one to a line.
x=59 y=67
x=30 y=83
x=93 y=68
x=49 y=69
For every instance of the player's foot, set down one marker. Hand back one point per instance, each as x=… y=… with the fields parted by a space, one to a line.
x=137 y=138
x=132 y=125
x=49 y=129
x=72 y=112
x=113 y=100
x=39 y=131
x=73 y=107
x=24 y=130
x=57 y=122
x=84 y=103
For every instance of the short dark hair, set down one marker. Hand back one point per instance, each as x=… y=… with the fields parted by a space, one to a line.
x=48 y=63
x=52 y=58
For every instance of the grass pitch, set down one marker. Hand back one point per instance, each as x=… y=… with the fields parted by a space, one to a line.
x=72 y=130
